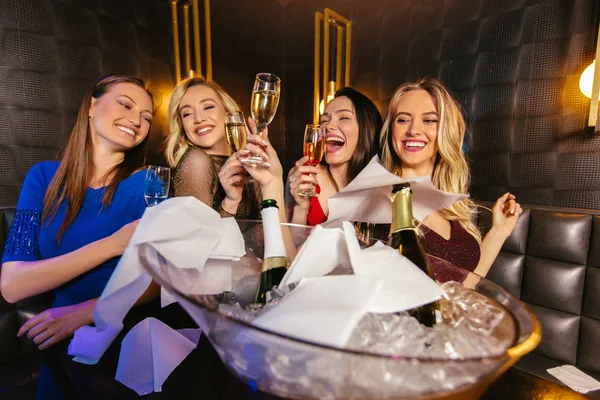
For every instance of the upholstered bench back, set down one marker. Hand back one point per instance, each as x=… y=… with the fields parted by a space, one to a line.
x=552 y=263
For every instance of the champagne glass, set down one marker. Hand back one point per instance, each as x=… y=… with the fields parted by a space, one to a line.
x=156 y=186
x=314 y=148
x=265 y=99
x=237 y=137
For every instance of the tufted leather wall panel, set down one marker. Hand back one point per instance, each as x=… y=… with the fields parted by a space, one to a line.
x=551 y=262
x=514 y=66
x=51 y=51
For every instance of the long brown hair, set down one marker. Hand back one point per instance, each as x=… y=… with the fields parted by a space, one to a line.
x=71 y=180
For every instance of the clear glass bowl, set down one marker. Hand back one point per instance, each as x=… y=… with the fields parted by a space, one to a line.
x=292 y=368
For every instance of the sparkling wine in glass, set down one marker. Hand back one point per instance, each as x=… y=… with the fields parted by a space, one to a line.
x=156 y=186
x=237 y=137
x=265 y=99
x=314 y=148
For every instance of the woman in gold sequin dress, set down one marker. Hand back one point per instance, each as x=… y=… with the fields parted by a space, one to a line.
x=198 y=151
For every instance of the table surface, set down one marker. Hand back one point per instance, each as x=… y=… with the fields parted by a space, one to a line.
x=202 y=375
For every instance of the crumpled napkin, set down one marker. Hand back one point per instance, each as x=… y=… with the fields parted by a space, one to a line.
x=326 y=309
x=574 y=378
x=150 y=352
x=181 y=233
x=367 y=198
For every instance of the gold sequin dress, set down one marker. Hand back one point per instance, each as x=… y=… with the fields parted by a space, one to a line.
x=197 y=174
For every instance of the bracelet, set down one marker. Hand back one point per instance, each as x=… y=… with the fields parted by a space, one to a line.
x=268 y=203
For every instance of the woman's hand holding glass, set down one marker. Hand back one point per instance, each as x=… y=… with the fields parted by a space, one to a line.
x=265 y=100
x=303 y=178
x=156 y=185
x=232 y=177
x=270 y=178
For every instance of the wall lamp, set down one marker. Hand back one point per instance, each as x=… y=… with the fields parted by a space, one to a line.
x=195 y=29
x=333 y=73
x=589 y=84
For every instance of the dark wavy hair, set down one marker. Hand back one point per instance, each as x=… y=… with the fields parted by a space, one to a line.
x=369 y=125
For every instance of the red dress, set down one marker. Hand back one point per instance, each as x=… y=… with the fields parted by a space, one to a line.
x=461 y=250
x=316 y=215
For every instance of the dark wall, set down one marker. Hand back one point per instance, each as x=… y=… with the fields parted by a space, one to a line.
x=51 y=52
x=515 y=67
x=248 y=37
x=513 y=64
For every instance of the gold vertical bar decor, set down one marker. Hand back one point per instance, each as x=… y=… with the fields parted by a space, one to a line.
x=595 y=89
x=176 y=40
x=338 y=61
x=186 y=30
x=208 y=40
x=195 y=31
x=326 y=39
x=343 y=27
x=317 y=99
x=197 y=54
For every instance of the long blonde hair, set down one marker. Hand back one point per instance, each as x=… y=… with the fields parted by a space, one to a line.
x=450 y=172
x=177 y=142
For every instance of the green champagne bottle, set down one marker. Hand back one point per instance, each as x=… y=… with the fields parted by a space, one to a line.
x=404 y=237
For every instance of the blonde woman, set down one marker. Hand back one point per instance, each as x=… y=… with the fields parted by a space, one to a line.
x=422 y=135
x=197 y=148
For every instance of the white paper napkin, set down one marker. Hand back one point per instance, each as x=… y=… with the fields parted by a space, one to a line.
x=574 y=378
x=150 y=352
x=181 y=233
x=367 y=198
x=327 y=308
x=323 y=310
x=95 y=342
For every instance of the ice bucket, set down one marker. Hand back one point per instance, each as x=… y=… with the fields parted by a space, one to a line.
x=296 y=369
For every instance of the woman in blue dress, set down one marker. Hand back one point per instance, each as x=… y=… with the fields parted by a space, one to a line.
x=75 y=217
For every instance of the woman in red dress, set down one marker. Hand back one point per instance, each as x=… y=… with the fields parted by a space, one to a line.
x=352 y=124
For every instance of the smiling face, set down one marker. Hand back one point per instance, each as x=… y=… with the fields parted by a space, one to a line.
x=203 y=117
x=414 y=133
x=341 y=129
x=121 y=117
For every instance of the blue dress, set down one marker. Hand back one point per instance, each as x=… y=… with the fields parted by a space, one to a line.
x=29 y=239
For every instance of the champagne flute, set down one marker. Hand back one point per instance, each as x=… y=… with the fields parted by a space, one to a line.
x=237 y=137
x=265 y=99
x=314 y=148
x=156 y=185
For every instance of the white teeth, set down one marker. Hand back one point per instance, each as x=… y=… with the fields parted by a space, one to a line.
x=336 y=139
x=415 y=144
x=126 y=130
x=201 y=131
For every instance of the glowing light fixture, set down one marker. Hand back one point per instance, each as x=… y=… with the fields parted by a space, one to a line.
x=587 y=80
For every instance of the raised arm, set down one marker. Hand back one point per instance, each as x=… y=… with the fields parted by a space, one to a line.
x=301 y=177
x=506 y=212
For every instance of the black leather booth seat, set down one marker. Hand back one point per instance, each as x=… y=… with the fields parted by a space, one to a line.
x=552 y=263
x=12 y=316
